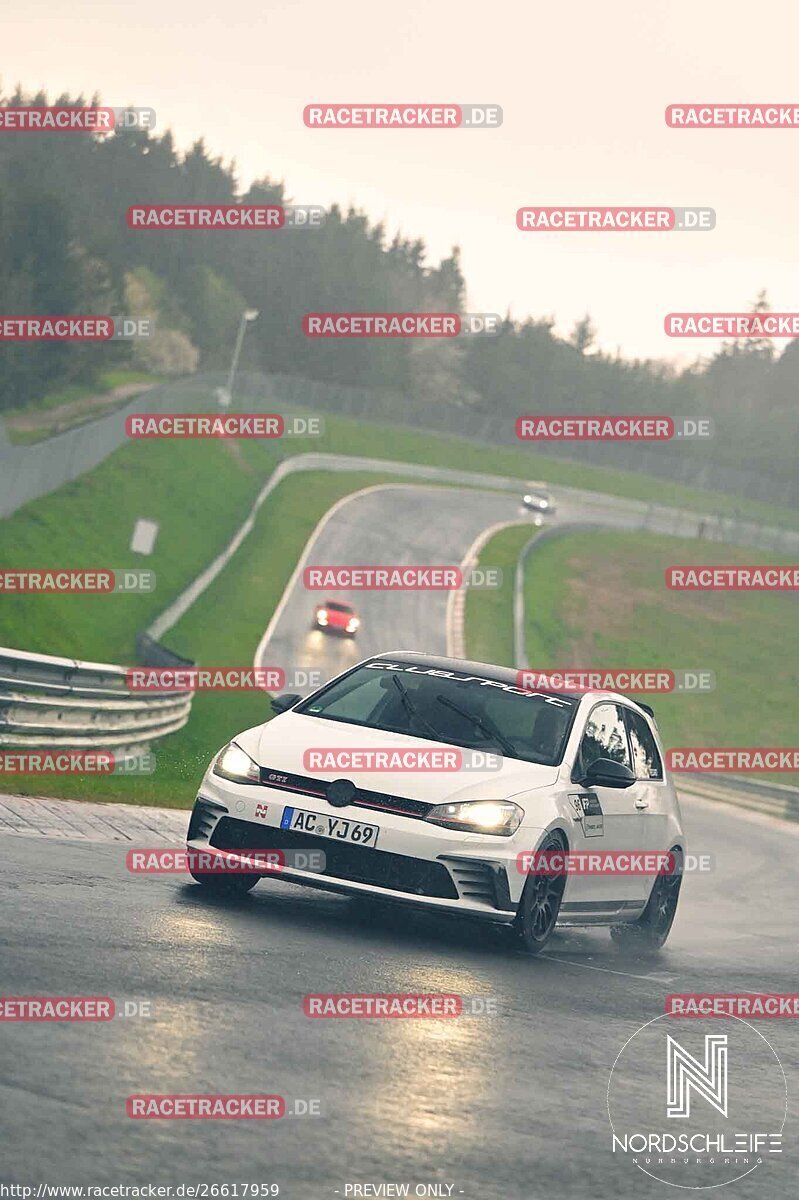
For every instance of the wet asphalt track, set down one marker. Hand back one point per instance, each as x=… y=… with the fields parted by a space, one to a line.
x=497 y=1108
x=403 y=525
x=385 y=525
x=508 y=1106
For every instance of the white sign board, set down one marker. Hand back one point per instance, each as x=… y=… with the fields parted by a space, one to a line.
x=144 y=535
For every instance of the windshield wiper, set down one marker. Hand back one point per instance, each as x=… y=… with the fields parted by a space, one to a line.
x=485 y=724
x=411 y=709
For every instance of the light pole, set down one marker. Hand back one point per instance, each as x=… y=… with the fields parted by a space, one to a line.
x=225 y=394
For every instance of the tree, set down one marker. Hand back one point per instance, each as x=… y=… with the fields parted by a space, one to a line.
x=583 y=335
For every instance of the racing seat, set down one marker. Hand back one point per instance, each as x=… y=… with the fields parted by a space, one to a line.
x=548 y=729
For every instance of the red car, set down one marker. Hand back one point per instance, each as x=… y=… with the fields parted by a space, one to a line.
x=334 y=616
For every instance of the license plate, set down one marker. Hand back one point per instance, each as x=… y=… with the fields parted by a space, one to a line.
x=320 y=825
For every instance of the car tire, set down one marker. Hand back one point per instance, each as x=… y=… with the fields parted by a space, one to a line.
x=650 y=932
x=227 y=887
x=539 y=906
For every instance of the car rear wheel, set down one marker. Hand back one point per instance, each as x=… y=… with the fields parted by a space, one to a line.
x=650 y=931
x=540 y=903
x=226 y=886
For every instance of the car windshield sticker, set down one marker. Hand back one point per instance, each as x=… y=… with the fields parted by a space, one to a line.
x=479 y=680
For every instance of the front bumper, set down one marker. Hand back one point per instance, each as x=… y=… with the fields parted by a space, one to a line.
x=416 y=862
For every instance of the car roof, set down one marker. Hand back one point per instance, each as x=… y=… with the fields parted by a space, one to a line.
x=501 y=674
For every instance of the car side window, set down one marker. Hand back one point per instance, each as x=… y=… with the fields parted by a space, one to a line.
x=646 y=759
x=605 y=737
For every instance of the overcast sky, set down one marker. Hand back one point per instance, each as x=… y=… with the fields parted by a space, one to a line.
x=583 y=87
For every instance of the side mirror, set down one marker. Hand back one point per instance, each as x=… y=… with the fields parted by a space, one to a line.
x=287 y=700
x=606 y=772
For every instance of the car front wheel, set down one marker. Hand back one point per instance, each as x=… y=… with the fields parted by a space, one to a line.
x=540 y=902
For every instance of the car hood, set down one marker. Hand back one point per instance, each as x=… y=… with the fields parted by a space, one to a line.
x=281 y=744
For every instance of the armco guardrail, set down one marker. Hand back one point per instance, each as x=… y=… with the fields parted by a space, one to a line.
x=773 y=799
x=62 y=703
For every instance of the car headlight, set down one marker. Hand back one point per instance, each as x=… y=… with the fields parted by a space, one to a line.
x=352 y=624
x=321 y=616
x=232 y=763
x=498 y=817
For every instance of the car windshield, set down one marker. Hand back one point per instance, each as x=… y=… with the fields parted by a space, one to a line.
x=336 y=606
x=472 y=711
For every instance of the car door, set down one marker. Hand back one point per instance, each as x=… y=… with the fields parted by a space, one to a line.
x=607 y=818
x=654 y=801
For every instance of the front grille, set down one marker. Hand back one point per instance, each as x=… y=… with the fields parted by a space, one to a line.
x=203 y=819
x=304 y=785
x=357 y=864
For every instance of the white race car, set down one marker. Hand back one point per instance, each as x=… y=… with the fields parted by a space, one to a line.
x=536 y=772
x=538 y=500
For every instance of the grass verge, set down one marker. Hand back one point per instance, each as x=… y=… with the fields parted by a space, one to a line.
x=70 y=406
x=489 y=611
x=344 y=436
x=598 y=600
x=247 y=593
x=200 y=492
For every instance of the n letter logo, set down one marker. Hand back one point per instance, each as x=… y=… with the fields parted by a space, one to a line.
x=708 y=1079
